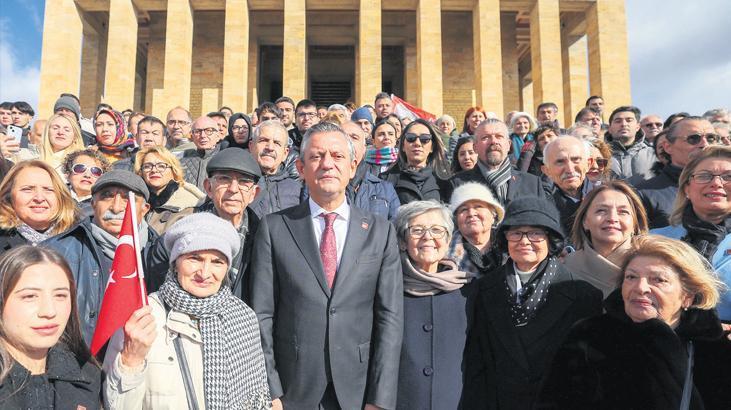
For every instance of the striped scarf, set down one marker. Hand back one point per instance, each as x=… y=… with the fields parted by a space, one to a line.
x=497 y=180
x=383 y=156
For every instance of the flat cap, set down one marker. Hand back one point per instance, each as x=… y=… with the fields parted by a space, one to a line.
x=124 y=179
x=234 y=159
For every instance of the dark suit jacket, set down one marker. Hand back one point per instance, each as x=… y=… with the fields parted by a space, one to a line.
x=349 y=336
x=504 y=362
x=521 y=183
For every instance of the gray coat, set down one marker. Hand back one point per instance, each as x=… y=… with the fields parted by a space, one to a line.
x=194 y=163
x=637 y=159
x=350 y=335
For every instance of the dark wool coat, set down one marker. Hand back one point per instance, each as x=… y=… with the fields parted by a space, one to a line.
x=505 y=363
x=433 y=188
x=67 y=384
x=658 y=195
x=10 y=239
x=610 y=362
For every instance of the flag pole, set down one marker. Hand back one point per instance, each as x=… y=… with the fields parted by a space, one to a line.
x=138 y=254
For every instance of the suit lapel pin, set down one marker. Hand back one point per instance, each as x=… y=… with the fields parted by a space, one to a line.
x=364 y=224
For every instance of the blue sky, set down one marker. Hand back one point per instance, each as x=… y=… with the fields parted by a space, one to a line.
x=679 y=54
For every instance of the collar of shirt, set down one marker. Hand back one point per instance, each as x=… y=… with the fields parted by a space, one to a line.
x=316 y=210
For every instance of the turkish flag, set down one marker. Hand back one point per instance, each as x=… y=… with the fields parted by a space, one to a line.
x=405 y=110
x=125 y=291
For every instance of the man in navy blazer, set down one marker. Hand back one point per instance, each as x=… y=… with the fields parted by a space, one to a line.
x=330 y=312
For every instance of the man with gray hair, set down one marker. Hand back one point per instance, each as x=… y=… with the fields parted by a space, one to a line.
x=717 y=115
x=340 y=111
x=348 y=292
x=492 y=144
x=565 y=162
x=205 y=137
x=89 y=246
x=277 y=189
x=651 y=125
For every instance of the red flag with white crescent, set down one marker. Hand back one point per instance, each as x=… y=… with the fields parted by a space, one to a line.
x=405 y=110
x=125 y=290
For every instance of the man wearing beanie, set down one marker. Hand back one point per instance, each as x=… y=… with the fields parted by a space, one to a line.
x=68 y=106
x=89 y=246
x=362 y=116
x=231 y=188
x=327 y=288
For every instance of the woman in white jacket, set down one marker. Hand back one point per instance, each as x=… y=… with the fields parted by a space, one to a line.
x=195 y=345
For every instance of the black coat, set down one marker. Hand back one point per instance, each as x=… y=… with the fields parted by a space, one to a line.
x=610 y=362
x=408 y=190
x=67 y=384
x=10 y=239
x=521 y=183
x=505 y=363
x=567 y=208
x=435 y=332
x=658 y=195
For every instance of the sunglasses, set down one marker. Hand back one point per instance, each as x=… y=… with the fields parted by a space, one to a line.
x=423 y=138
x=653 y=124
x=81 y=168
x=601 y=162
x=695 y=139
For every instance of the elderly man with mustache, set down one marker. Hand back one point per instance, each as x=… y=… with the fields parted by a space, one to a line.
x=89 y=246
x=565 y=162
x=278 y=190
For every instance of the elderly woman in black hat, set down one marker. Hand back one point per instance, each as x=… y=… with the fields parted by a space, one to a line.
x=523 y=310
x=195 y=345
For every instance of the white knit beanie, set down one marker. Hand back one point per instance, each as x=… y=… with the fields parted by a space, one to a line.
x=478 y=192
x=202 y=231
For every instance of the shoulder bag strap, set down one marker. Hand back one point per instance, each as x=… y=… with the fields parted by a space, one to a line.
x=184 y=370
x=688 y=386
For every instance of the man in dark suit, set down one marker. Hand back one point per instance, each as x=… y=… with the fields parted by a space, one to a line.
x=327 y=288
x=492 y=144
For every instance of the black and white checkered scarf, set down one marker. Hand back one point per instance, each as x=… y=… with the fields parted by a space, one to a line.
x=498 y=179
x=234 y=373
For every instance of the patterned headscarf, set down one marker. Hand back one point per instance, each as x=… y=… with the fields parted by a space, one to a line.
x=122 y=140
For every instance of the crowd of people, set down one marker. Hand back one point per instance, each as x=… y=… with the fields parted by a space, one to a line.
x=343 y=257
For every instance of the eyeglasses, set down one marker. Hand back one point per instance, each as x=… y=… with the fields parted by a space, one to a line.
x=79 y=169
x=172 y=123
x=423 y=138
x=653 y=124
x=207 y=131
x=601 y=162
x=307 y=114
x=245 y=184
x=238 y=128
x=159 y=166
x=418 y=231
x=707 y=177
x=533 y=236
x=695 y=139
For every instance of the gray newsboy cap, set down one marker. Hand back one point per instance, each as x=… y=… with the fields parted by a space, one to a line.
x=234 y=159
x=122 y=178
x=199 y=232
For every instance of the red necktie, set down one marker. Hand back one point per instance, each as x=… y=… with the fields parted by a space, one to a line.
x=328 y=249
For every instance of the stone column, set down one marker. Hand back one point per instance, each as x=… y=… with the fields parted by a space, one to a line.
x=178 y=59
x=527 y=97
x=429 y=56
x=119 y=77
x=575 y=72
x=511 y=78
x=93 y=61
x=411 y=80
x=487 y=47
x=236 y=54
x=61 y=53
x=294 y=59
x=545 y=48
x=606 y=29
x=253 y=77
x=368 y=56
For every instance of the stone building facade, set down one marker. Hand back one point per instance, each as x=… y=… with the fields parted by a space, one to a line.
x=441 y=55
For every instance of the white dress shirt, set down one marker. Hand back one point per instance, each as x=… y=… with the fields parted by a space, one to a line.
x=340 y=226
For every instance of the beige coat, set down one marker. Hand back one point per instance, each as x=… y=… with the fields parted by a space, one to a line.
x=603 y=273
x=186 y=196
x=158 y=384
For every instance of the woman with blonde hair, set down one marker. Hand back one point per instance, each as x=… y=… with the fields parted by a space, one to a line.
x=701 y=214
x=34 y=205
x=169 y=193
x=602 y=233
x=659 y=345
x=522 y=126
x=60 y=137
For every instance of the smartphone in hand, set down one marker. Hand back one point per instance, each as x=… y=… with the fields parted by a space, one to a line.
x=15 y=132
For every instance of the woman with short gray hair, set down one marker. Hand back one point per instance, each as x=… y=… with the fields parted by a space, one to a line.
x=435 y=306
